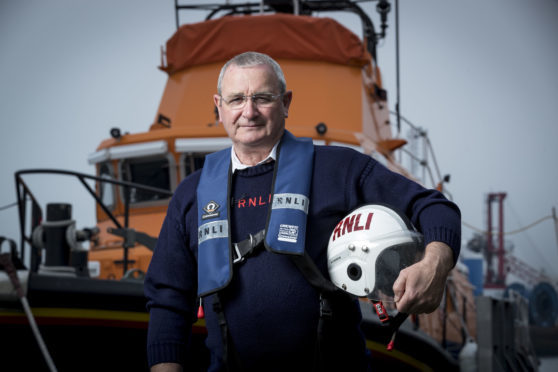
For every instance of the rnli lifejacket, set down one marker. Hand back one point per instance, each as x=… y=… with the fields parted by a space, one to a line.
x=285 y=230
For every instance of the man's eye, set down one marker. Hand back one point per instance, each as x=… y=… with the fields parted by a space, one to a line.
x=262 y=98
x=236 y=100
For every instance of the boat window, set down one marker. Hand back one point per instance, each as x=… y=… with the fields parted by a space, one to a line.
x=193 y=161
x=152 y=172
x=106 y=189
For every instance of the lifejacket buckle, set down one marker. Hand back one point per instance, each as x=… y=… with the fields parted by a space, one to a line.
x=243 y=249
x=238 y=257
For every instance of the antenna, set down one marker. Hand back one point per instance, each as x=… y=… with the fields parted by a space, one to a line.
x=176 y=12
x=555 y=223
x=398 y=99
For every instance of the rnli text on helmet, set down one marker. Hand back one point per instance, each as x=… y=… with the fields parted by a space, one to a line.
x=352 y=223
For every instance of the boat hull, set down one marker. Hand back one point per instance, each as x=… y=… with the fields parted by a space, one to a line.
x=93 y=325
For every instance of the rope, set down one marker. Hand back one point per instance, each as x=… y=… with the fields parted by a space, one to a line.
x=8 y=206
x=6 y=262
x=37 y=334
x=512 y=231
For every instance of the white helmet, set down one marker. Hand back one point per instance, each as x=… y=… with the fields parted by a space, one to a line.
x=369 y=247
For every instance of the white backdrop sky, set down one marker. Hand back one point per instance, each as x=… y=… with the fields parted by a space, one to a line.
x=480 y=76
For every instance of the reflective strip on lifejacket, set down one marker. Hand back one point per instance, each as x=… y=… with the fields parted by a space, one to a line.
x=212 y=230
x=291 y=201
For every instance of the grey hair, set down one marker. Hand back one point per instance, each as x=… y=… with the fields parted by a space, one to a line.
x=249 y=59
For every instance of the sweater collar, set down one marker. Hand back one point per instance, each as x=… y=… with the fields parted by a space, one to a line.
x=237 y=164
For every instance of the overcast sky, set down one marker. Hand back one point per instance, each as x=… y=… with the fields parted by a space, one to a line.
x=480 y=76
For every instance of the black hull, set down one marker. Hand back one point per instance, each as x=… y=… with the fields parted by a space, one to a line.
x=97 y=325
x=87 y=325
x=74 y=348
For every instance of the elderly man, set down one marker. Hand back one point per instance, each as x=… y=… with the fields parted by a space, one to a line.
x=262 y=314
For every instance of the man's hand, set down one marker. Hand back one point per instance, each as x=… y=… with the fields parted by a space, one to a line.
x=420 y=287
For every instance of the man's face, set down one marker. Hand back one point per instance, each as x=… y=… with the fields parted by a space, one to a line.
x=252 y=127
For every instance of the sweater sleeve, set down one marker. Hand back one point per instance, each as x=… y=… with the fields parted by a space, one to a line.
x=171 y=285
x=436 y=217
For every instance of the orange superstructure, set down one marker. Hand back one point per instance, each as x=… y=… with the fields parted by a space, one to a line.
x=337 y=99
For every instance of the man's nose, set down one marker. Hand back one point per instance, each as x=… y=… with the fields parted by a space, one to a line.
x=250 y=109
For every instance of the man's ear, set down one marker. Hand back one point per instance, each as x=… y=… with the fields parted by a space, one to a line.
x=217 y=102
x=287 y=98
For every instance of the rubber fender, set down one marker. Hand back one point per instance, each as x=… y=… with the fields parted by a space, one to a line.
x=519 y=288
x=543 y=305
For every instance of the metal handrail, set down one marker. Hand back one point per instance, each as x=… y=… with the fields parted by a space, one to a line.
x=24 y=193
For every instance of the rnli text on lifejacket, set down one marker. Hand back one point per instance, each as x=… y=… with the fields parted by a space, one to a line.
x=212 y=230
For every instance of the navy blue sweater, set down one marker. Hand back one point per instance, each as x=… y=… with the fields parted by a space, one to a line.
x=271 y=310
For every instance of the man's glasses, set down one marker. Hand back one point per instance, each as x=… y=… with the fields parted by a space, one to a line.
x=259 y=99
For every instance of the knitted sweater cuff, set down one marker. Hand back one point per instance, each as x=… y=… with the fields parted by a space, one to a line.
x=169 y=352
x=447 y=236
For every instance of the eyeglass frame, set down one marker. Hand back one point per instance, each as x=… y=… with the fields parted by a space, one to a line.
x=244 y=97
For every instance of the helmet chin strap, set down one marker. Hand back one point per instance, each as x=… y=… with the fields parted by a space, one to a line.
x=393 y=323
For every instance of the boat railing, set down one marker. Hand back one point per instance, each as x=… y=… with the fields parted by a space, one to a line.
x=421 y=159
x=24 y=194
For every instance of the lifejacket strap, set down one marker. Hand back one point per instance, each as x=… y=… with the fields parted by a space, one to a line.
x=230 y=357
x=321 y=353
x=312 y=274
x=326 y=288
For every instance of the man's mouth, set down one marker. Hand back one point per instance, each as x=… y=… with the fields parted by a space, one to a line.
x=250 y=125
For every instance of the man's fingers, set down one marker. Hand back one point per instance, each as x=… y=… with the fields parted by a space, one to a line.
x=418 y=290
x=399 y=286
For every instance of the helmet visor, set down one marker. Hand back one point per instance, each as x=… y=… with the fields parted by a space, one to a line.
x=403 y=249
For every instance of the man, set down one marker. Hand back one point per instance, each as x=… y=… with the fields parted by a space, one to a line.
x=261 y=312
